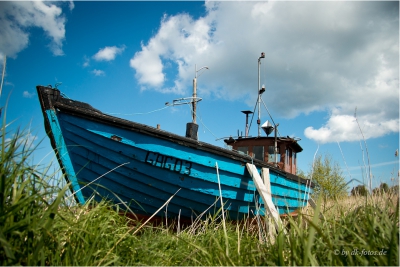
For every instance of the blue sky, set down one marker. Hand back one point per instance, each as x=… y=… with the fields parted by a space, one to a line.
x=323 y=60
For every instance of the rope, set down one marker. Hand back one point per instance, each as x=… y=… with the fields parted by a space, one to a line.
x=139 y=113
x=269 y=114
x=191 y=109
x=168 y=105
x=176 y=102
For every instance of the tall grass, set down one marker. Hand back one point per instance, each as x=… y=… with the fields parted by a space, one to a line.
x=28 y=204
x=37 y=227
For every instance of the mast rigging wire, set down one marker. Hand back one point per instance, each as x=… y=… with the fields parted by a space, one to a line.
x=255 y=107
x=176 y=102
x=191 y=109
x=252 y=117
x=269 y=114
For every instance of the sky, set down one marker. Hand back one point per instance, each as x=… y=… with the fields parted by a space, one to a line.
x=331 y=70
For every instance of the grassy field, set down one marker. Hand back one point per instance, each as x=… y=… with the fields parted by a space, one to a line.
x=39 y=227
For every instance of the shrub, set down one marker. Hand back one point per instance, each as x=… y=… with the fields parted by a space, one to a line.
x=384 y=187
x=328 y=179
x=360 y=190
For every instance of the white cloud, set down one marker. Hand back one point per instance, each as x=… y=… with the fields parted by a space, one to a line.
x=148 y=67
x=98 y=72
x=180 y=39
x=71 y=5
x=26 y=94
x=320 y=56
x=108 y=53
x=86 y=62
x=17 y=16
x=1 y=63
x=345 y=128
x=30 y=138
x=26 y=139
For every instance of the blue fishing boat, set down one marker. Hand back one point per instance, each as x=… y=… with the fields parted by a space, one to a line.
x=141 y=167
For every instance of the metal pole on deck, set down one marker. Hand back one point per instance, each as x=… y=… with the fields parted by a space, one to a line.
x=195 y=90
x=247 y=112
x=194 y=95
x=259 y=92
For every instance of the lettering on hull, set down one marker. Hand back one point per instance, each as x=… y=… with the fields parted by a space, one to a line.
x=168 y=162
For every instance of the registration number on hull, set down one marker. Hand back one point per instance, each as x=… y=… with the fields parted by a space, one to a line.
x=168 y=162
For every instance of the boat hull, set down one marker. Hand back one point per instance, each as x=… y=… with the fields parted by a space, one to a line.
x=142 y=167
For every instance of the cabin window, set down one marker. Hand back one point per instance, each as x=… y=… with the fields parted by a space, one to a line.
x=294 y=159
x=258 y=152
x=271 y=154
x=287 y=156
x=243 y=149
x=293 y=162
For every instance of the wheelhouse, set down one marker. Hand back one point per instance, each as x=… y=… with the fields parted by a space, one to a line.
x=262 y=148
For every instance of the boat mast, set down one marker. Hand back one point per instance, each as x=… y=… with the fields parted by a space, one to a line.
x=192 y=127
x=194 y=95
x=259 y=92
x=194 y=100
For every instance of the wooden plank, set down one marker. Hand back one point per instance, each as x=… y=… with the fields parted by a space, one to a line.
x=312 y=203
x=265 y=192
x=267 y=184
x=314 y=206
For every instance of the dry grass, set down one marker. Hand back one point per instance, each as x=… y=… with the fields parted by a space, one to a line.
x=349 y=204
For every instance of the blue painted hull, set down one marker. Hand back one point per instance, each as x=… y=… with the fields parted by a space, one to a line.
x=151 y=165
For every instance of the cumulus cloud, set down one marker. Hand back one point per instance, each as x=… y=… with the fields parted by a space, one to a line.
x=345 y=128
x=181 y=40
x=17 y=16
x=148 y=67
x=320 y=56
x=108 y=53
